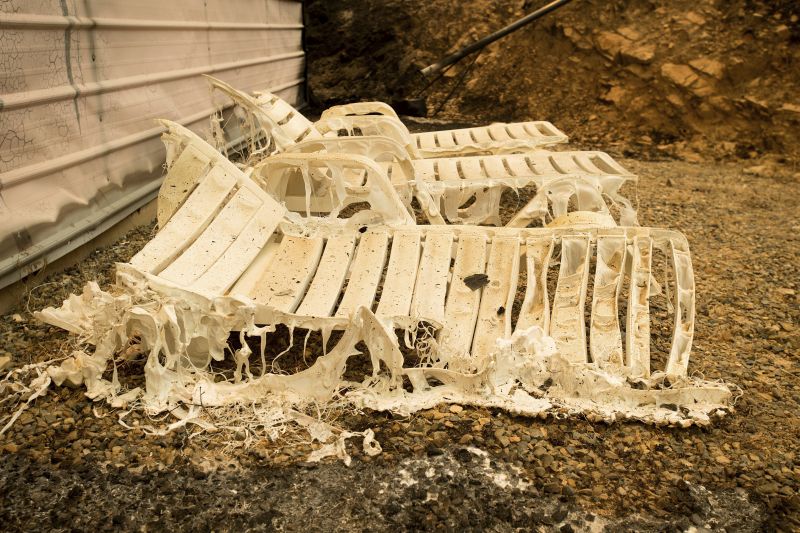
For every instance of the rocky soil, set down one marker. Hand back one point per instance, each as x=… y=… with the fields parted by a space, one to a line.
x=67 y=463
x=696 y=79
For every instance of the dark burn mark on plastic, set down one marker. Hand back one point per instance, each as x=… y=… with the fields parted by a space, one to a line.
x=476 y=281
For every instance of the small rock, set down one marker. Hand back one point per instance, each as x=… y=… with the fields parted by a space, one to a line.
x=757 y=102
x=695 y=18
x=629 y=33
x=433 y=451
x=643 y=54
x=791 y=108
x=463 y=455
x=709 y=66
x=456 y=408
x=5 y=362
x=681 y=75
x=610 y=44
x=615 y=95
x=439 y=438
x=768 y=488
x=559 y=515
x=765 y=171
x=783 y=31
x=553 y=488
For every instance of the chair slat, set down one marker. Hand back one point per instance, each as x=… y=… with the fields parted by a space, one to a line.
x=426 y=140
x=498 y=133
x=287 y=277
x=424 y=169
x=497 y=299
x=533 y=130
x=463 y=137
x=517 y=131
x=605 y=338
x=518 y=165
x=448 y=169
x=434 y=273
x=187 y=223
x=185 y=173
x=565 y=163
x=535 y=309
x=240 y=255
x=365 y=273
x=471 y=168
x=398 y=289
x=637 y=328
x=494 y=166
x=461 y=310
x=567 y=324
x=684 y=303
x=546 y=129
x=216 y=238
x=481 y=134
x=445 y=139
x=606 y=164
x=322 y=294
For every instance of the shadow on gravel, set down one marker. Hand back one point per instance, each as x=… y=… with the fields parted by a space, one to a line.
x=460 y=489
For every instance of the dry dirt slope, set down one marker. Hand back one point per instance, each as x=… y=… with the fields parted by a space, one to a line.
x=694 y=78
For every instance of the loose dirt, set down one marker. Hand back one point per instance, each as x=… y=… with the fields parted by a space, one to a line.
x=696 y=79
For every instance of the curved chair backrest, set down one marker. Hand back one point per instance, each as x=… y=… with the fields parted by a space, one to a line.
x=360 y=109
x=328 y=183
x=278 y=120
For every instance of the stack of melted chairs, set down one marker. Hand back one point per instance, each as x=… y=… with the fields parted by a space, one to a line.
x=477 y=266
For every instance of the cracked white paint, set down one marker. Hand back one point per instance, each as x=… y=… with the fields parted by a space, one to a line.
x=250 y=266
x=81 y=84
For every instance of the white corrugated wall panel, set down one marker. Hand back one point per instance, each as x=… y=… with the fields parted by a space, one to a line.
x=80 y=85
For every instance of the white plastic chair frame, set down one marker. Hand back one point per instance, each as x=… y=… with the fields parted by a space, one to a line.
x=230 y=240
x=229 y=259
x=450 y=186
x=282 y=122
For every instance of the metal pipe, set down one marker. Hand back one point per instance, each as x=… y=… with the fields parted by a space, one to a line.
x=477 y=45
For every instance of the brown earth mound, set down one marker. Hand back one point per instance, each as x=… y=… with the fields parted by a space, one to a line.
x=692 y=78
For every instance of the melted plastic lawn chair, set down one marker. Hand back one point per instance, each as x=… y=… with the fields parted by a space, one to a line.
x=468 y=190
x=273 y=118
x=505 y=309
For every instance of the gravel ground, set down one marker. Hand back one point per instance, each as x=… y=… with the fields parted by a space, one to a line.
x=68 y=464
